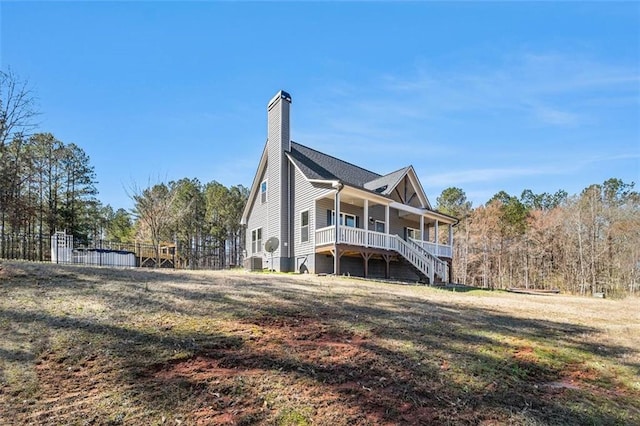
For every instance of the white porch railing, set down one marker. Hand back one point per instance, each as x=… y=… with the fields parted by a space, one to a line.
x=418 y=255
x=417 y=259
x=441 y=268
x=440 y=250
x=362 y=237
x=325 y=236
x=354 y=236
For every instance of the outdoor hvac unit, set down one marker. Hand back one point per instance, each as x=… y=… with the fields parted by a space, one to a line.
x=254 y=263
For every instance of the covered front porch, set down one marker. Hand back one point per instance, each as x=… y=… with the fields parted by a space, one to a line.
x=369 y=220
x=375 y=227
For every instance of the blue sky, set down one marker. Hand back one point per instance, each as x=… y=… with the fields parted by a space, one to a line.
x=483 y=96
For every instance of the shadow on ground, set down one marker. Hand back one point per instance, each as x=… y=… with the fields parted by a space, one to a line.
x=218 y=348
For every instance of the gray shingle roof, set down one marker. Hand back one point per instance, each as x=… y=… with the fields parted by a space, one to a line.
x=317 y=165
x=385 y=184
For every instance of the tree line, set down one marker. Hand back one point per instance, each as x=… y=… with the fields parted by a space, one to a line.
x=47 y=185
x=201 y=220
x=584 y=243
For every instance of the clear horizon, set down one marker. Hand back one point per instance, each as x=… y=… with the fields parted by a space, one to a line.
x=482 y=96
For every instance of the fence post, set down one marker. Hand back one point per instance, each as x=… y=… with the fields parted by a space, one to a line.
x=57 y=250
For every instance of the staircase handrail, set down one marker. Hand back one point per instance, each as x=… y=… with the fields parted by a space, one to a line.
x=441 y=268
x=423 y=263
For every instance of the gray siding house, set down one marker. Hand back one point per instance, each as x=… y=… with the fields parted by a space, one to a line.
x=385 y=224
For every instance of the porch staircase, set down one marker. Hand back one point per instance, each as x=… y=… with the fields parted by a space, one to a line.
x=431 y=267
x=440 y=267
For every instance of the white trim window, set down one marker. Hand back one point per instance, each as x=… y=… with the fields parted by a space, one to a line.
x=256 y=240
x=263 y=191
x=413 y=233
x=346 y=219
x=304 y=226
x=379 y=226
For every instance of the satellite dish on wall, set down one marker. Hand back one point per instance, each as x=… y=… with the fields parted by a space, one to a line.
x=270 y=246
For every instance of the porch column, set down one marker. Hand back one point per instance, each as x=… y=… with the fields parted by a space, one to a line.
x=451 y=238
x=365 y=221
x=386 y=219
x=386 y=227
x=422 y=228
x=436 y=235
x=336 y=220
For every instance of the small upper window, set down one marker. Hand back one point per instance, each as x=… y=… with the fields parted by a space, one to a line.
x=304 y=226
x=263 y=191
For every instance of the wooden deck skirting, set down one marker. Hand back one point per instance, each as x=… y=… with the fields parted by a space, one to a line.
x=359 y=251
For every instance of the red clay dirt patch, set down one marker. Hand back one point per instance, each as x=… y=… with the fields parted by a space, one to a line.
x=67 y=389
x=525 y=354
x=222 y=400
x=579 y=377
x=330 y=375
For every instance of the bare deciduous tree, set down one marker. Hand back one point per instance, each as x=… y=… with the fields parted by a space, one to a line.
x=587 y=243
x=17 y=107
x=153 y=209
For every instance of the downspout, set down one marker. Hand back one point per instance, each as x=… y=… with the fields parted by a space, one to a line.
x=464 y=279
x=336 y=258
x=291 y=213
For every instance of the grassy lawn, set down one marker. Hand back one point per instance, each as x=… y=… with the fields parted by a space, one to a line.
x=82 y=345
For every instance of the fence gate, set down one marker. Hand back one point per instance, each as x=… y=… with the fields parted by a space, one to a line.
x=61 y=247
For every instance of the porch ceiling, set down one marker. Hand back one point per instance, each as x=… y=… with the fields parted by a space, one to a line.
x=356 y=197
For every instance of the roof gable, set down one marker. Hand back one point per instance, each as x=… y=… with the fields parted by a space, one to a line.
x=405 y=177
x=385 y=184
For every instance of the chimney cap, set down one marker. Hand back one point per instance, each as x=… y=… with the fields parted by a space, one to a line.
x=280 y=95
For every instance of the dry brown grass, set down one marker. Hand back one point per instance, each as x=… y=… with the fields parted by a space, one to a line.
x=83 y=345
